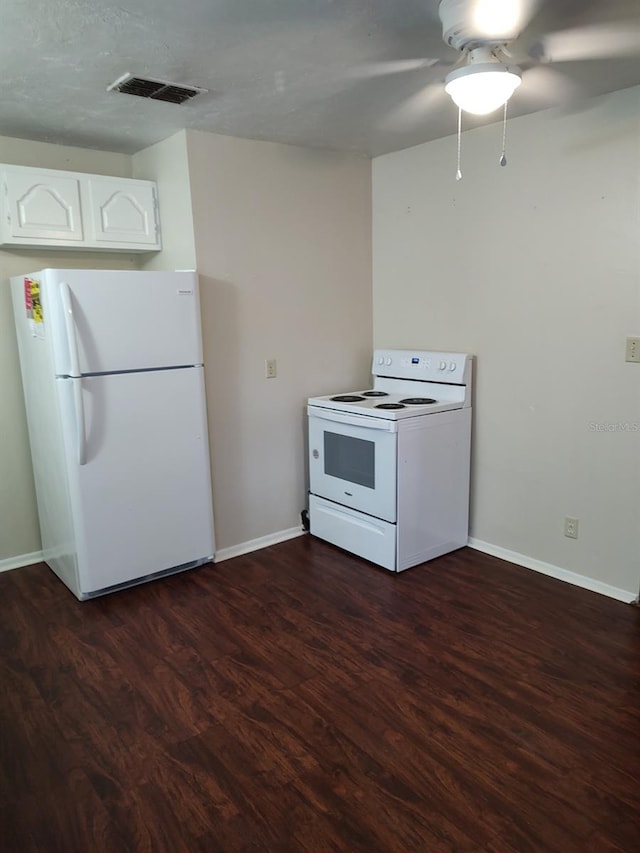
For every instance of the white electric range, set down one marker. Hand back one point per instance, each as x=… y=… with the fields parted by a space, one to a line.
x=389 y=466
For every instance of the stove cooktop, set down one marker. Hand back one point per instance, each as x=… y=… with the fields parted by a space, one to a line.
x=384 y=404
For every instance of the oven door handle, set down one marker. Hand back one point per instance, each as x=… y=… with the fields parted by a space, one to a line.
x=352 y=420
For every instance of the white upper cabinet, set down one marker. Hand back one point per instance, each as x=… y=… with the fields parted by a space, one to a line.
x=122 y=212
x=42 y=206
x=47 y=208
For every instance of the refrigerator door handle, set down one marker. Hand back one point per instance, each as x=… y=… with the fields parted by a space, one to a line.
x=70 y=328
x=81 y=435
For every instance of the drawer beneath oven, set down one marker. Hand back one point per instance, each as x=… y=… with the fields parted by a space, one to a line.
x=368 y=537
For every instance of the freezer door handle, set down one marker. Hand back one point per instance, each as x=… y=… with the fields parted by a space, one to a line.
x=81 y=436
x=70 y=328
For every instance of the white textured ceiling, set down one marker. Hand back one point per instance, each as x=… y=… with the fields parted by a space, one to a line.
x=292 y=71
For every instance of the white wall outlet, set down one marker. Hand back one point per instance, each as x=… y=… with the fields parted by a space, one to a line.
x=270 y=369
x=571 y=527
x=633 y=350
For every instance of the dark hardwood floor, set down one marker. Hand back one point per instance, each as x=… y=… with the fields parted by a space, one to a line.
x=299 y=699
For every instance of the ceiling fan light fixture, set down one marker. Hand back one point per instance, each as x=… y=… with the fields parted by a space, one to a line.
x=482 y=87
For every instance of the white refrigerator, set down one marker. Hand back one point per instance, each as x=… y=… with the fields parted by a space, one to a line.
x=113 y=383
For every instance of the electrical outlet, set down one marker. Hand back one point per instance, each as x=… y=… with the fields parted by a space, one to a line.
x=633 y=350
x=270 y=370
x=571 y=527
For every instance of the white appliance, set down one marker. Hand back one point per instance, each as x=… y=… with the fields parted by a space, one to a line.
x=112 y=373
x=389 y=467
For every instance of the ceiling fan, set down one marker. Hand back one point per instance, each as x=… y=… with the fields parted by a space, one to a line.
x=500 y=45
x=481 y=31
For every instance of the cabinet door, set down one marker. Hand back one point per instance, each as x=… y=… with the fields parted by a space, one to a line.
x=42 y=206
x=122 y=212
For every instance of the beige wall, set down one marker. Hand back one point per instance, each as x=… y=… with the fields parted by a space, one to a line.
x=167 y=164
x=25 y=152
x=283 y=244
x=283 y=248
x=19 y=533
x=535 y=268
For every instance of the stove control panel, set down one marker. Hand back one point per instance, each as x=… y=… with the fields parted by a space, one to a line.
x=451 y=367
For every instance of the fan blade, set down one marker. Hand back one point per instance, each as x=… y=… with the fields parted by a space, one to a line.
x=414 y=109
x=548 y=87
x=502 y=20
x=381 y=69
x=596 y=42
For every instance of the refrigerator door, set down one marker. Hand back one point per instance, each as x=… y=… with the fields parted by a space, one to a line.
x=139 y=475
x=105 y=321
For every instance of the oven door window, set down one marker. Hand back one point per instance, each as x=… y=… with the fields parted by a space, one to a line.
x=350 y=459
x=354 y=464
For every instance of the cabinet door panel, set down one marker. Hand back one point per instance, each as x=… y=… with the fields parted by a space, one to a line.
x=122 y=212
x=42 y=206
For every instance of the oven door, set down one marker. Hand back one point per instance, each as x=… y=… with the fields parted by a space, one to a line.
x=352 y=461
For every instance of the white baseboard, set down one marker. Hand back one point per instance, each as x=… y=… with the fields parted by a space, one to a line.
x=221 y=555
x=553 y=571
x=20 y=561
x=256 y=544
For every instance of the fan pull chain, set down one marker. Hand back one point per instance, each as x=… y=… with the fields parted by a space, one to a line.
x=503 y=158
x=459 y=172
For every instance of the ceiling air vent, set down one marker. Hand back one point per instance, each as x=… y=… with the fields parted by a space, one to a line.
x=157 y=90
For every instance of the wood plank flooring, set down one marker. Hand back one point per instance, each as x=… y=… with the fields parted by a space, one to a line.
x=300 y=699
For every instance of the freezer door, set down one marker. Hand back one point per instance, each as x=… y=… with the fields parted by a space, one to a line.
x=140 y=486
x=104 y=321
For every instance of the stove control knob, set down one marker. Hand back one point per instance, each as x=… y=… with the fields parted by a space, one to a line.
x=452 y=366
x=443 y=365
x=388 y=361
x=380 y=360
